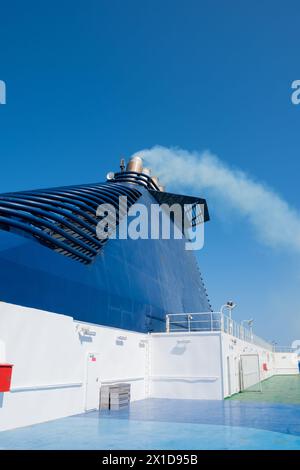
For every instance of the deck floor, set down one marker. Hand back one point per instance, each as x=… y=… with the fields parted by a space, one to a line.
x=168 y=424
x=277 y=389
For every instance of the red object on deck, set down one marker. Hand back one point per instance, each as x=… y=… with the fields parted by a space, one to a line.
x=265 y=366
x=5 y=377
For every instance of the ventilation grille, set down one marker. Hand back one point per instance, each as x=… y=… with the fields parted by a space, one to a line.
x=194 y=209
x=63 y=219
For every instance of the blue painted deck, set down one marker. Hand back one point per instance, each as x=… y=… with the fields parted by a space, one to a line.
x=168 y=424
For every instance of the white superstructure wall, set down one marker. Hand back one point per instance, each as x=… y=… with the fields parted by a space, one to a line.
x=52 y=355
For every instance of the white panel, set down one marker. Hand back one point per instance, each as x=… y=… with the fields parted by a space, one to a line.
x=286 y=363
x=186 y=365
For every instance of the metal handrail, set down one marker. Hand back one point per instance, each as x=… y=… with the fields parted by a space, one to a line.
x=285 y=349
x=212 y=321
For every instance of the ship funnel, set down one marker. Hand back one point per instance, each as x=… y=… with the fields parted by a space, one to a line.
x=135 y=164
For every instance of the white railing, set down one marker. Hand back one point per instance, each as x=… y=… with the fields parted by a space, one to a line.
x=285 y=349
x=212 y=321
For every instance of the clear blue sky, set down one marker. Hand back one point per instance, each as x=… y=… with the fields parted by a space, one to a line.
x=90 y=81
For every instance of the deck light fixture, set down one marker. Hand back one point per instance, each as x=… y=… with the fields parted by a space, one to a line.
x=85 y=331
x=230 y=305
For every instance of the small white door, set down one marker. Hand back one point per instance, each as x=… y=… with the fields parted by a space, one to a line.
x=92 y=382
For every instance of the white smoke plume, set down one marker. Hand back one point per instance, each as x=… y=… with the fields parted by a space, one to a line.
x=275 y=222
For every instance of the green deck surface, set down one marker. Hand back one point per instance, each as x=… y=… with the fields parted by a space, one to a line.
x=277 y=389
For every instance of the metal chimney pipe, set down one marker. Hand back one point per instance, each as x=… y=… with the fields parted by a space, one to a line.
x=135 y=164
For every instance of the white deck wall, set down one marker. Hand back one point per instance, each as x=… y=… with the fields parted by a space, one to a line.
x=186 y=365
x=50 y=362
x=195 y=365
x=49 y=374
x=286 y=363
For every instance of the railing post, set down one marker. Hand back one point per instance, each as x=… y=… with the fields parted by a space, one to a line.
x=230 y=326
x=189 y=322
x=168 y=323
